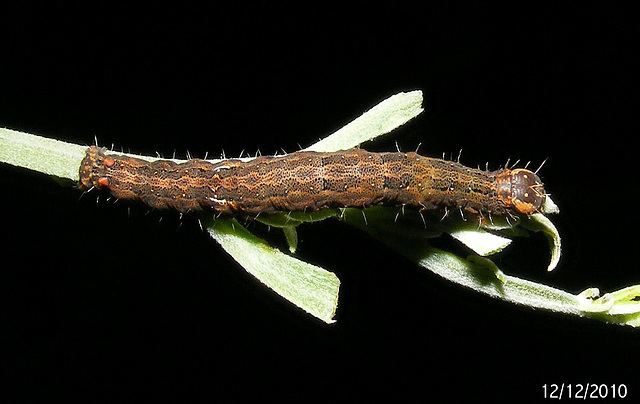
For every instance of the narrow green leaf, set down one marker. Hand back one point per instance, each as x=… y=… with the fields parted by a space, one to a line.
x=38 y=153
x=307 y=286
x=539 y=222
x=383 y=118
x=482 y=262
x=480 y=241
x=291 y=234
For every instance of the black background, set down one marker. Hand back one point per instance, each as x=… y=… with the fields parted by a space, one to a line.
x=101 y=305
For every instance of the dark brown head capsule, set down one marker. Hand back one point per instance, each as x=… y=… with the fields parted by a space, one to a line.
x=520 y=190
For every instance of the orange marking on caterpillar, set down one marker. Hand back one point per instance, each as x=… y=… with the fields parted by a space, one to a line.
x=103 y=182
x=109 y=162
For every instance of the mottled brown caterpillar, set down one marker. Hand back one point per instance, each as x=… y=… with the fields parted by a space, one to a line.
x=310 y=181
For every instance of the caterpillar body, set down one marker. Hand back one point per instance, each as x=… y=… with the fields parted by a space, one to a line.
x=310 y=181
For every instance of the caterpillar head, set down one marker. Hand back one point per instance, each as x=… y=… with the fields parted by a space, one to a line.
x=522 y=190
x=527 y=191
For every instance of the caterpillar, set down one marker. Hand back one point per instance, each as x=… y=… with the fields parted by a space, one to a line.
x=310 y=181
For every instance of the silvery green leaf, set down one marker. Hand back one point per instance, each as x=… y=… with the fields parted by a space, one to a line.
x=48 y=156
x=539 y=222
x=383 y=118
x=291 y=234
x=309 y=287
x=480 y=241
